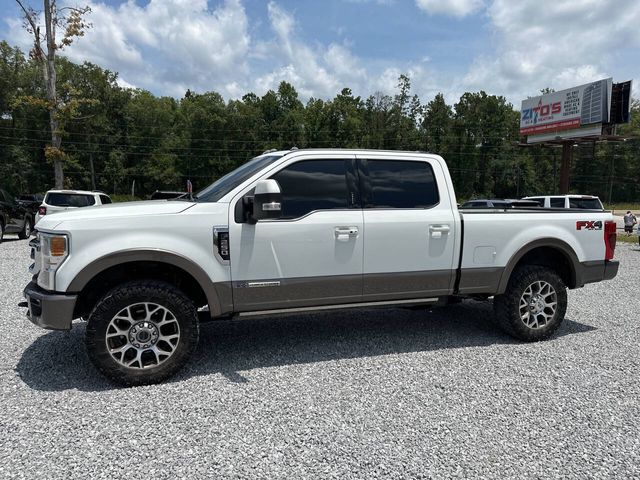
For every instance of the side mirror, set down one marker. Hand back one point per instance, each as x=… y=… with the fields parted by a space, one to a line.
x=267 y=200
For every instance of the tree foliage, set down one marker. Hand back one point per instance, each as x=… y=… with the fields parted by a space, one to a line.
x=122 y=135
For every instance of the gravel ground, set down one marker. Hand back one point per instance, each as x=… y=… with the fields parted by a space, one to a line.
x=375 y=394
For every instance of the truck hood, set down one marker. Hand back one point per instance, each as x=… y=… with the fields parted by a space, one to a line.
x=115 y=210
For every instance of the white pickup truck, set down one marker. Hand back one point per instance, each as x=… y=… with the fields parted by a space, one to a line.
x=302 y=230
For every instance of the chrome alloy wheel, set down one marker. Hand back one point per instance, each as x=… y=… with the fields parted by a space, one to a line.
x=142 y=335
x=538 y=304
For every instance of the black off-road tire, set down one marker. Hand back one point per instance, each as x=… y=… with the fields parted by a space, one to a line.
x=1 y=231
x=135 y=293
x=507 y=306
x=27 y=229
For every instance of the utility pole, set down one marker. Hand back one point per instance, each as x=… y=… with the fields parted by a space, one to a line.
x=555 y=172
x=565 y=168
x=611 y=171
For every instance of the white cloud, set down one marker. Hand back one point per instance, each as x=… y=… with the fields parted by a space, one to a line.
x=343 y=63
x=425 y=82
x=379 y=2
x=323 y=70
x=166 y=45
x=558 y=45
x=300 y=64
x=456 y=8
x=123 y=83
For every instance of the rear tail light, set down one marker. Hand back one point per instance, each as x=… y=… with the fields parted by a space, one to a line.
x=609 y=239
x=42 y=210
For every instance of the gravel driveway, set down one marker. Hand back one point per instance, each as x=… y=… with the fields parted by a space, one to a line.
x=376 y=394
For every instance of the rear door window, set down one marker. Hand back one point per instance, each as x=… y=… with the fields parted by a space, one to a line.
x=398 y=184
x=69 y=199
x=556 y=202
x=105 y=200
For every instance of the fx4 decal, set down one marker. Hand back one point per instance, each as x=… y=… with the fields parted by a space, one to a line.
x=589 y=225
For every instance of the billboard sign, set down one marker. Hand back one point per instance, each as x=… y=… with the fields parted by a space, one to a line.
x=569 y=113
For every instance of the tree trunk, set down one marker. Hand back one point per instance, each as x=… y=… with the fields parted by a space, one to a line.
x=56 y=142
x=50 y=82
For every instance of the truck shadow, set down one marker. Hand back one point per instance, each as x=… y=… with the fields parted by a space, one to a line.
x=58 y=361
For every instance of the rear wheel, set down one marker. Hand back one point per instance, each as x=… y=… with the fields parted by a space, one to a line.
x=534 y=304
x=26 y=230
x=142 y=332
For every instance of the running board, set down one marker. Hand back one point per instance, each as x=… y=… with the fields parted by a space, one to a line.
x=343 y=306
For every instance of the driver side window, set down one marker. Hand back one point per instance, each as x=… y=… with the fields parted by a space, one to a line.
x=311 y=185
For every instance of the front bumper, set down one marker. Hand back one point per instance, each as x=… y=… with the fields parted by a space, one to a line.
x=53 y=311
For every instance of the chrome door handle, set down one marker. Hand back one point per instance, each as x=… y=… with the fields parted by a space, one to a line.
x=345 y=233
x=436 y=231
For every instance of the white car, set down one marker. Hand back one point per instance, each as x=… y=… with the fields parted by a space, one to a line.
x=584 y=202
x=60 y=200
x=302 y=230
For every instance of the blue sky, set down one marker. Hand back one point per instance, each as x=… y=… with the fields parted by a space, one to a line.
x=505 y=47
x=383 y=32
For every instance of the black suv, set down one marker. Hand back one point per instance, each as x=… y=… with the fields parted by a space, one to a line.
x=14 y=218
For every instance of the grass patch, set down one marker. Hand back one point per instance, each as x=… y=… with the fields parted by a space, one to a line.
x=622 y=207
x=622 y=238
x=119 y=197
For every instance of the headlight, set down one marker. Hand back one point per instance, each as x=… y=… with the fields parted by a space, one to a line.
x=54 y=249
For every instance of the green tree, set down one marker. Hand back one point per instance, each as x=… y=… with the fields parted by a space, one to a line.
x=437 y=125
x=70 y=19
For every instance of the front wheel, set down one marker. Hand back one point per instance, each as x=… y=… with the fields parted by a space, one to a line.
x=534 y=304
x=142 y=332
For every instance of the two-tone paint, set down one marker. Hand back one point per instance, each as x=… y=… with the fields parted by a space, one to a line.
x=328 y=257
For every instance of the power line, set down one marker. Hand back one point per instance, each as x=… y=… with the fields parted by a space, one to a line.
x=228 y=152
x=300 y=130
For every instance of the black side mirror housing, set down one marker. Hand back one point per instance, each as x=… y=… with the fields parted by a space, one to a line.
x=267 y=200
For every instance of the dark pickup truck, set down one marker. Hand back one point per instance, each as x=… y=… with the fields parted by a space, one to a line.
x=14 y=218
x=31 y=202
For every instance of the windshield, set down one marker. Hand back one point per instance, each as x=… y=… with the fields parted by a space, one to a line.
x=231 y=180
